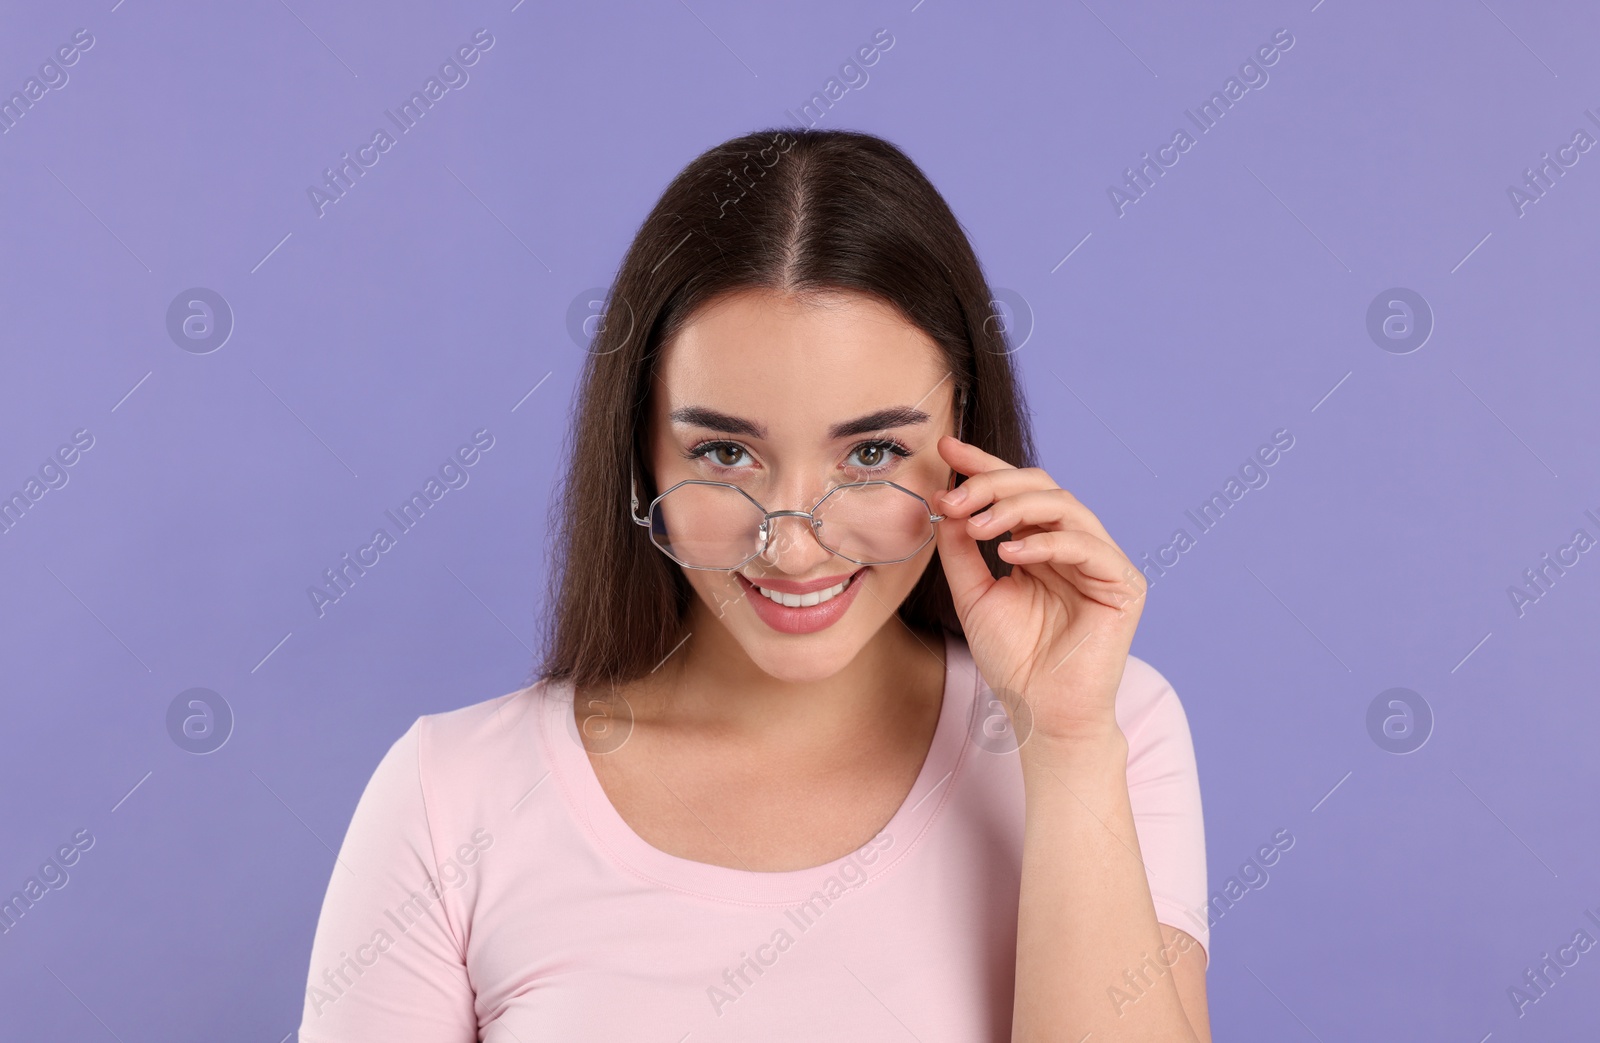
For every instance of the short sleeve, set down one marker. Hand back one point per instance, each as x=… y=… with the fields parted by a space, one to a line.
x=387 y=965
x=1164 y=788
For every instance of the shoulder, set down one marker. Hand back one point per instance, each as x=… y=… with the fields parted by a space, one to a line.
x=1164 y=789
x=1148 y=709
x=471 y=760
x=451 y=735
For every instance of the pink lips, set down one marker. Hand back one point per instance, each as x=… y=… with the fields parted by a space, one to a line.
x=805 y=620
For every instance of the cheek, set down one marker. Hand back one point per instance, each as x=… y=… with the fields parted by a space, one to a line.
x=897 y=580
x=718 y=591
x=927 y=478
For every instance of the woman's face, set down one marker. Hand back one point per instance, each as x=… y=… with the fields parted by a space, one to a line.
x=787 y=400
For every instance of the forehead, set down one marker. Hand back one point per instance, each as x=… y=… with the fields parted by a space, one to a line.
x=799 y=365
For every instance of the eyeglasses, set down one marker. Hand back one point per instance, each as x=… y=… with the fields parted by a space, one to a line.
x=716 y=525
x=703 y=524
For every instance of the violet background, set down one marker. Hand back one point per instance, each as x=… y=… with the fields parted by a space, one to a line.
x=1159 y=349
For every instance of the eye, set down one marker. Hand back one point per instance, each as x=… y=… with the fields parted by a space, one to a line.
x=879 y=454
x=724 y=455
x=875 y=456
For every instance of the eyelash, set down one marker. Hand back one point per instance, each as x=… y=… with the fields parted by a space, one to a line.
x=895 y=448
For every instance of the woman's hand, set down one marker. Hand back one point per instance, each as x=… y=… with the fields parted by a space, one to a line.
x=1054 y=634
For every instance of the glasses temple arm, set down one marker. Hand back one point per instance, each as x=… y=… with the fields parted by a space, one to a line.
x=633 y=495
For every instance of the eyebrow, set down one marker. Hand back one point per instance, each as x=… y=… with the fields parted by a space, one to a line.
x=879 y=420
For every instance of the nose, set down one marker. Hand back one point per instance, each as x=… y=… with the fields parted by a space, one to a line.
x=792 y=546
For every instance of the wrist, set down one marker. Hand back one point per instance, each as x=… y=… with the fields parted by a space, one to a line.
x=1087 y=746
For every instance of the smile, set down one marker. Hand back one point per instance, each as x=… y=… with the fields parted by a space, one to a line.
x=816 y=597
x=803 y=611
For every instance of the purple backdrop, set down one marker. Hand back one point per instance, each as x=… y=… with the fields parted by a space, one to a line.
x=1379 y=249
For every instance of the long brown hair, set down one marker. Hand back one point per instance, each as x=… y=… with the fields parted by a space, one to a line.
x=793 y=211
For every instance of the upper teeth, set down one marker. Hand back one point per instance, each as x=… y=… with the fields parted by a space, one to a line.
x=816 y=597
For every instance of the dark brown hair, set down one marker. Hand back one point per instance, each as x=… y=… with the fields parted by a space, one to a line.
x=793 y=211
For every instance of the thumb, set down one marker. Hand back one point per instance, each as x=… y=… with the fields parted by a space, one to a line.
x=964 y=568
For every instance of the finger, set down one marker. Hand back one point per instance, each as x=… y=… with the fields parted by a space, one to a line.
x=968 y=458
x=1094 y=566
x=1046 y=508
x=982 y=489
x=988 y=476
x=965 y=570
x=992 y=478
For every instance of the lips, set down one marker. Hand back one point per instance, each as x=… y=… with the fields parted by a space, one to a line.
x=804 y=619
x=789 y=586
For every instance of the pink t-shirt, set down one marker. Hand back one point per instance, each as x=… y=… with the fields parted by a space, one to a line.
x=488 y=889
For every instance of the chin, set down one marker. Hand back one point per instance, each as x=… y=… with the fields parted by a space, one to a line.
x=802 y=658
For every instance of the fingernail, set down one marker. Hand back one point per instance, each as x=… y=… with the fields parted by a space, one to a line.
x=956 y=497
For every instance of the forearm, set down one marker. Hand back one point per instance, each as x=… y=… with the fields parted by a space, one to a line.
x=1086 y=921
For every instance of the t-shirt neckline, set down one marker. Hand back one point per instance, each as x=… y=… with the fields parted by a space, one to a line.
x=633 y=854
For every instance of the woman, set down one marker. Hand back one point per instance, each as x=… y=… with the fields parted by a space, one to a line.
x=817 y=752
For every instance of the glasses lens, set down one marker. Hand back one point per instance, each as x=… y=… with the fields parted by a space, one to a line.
x=873 y=523
x=707 y=526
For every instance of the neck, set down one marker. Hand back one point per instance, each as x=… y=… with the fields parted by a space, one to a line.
x=712 y=681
